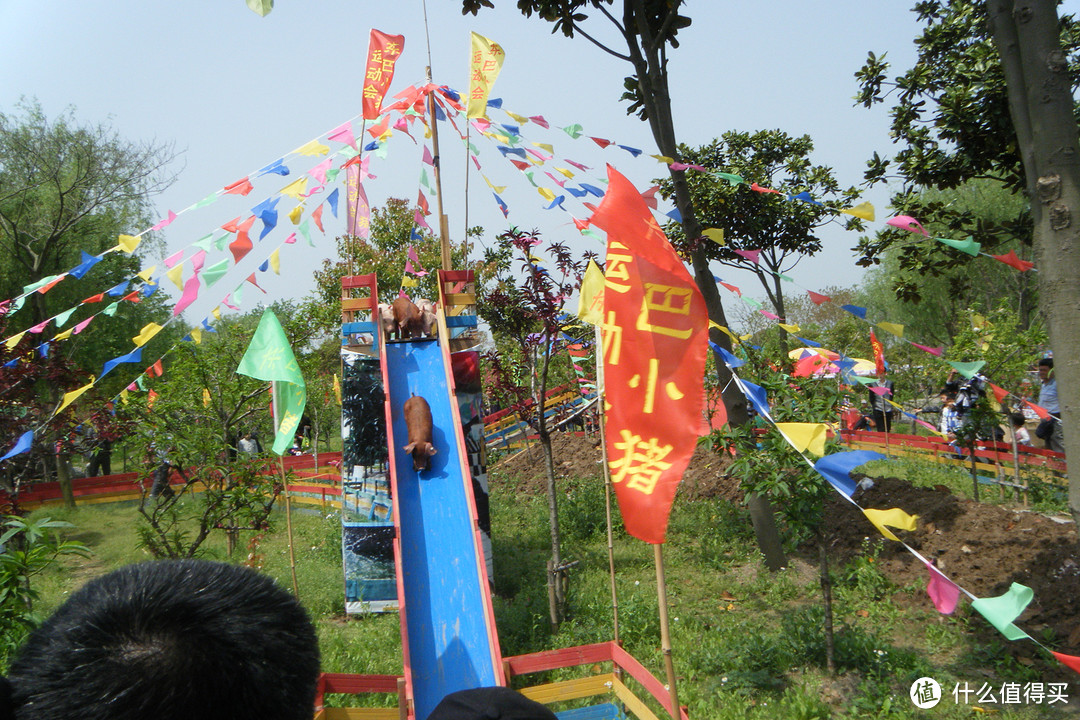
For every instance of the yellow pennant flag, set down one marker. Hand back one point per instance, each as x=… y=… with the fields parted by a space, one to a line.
x=312 y=148
x=790 y=328
x=714 y=234
x=64 y=335
x=724 y=330
x=177 y=276
x=497 y=188
x=663 y=158
x=486 y=59
x=147 y=273
x=546 y=193
x=128 y=243
x=124 y=396
x=591 y=296
x=216 y=312
x=14 y=340
x=149 y=331
x=805 y=436
x=519 y=118
x=196 y=335
x=205 y=397
x=71 y=396
x=151 y=398
x=295 y=189
x=863 y=210
x=275 y=261
x=407 y=281
x=295 y=213
x=546 y=146
x=337 y=388
x=895 y=328
x=564 y=172
x=895 y=517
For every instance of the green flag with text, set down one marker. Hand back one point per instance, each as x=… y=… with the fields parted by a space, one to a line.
x=269 y=357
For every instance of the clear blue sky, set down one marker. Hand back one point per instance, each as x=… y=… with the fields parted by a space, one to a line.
x=234 y=92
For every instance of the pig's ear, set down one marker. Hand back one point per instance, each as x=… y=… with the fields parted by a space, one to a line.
x=409 y=448
x=431 y=450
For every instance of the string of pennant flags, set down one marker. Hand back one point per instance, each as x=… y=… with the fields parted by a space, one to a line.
x=809 y=438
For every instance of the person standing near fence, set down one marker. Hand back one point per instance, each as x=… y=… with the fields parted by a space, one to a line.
x=1050 y=429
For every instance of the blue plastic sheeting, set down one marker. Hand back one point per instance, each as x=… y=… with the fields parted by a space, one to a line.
x=450 y=646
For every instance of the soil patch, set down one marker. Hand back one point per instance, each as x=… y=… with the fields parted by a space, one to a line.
x=984 y=548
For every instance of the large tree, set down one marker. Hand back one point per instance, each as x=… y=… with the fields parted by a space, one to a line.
x=992 y=95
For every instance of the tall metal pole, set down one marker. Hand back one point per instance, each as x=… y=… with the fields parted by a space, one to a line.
x=444 y=228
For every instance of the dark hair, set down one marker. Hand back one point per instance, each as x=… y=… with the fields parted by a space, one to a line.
x=170 y=639
x=489 y=703
x=1046 y=362
x=1017 y=419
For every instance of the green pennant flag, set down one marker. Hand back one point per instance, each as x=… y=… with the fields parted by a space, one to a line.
x=967 y=369
x=269 y=357
x=966 y=245
x=215 y=272
x=1002 y=610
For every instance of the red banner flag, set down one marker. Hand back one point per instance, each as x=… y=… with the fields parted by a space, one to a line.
x=654 y=344
x=383 y=52
x=879 y=354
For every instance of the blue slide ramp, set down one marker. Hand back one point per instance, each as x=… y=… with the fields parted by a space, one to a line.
x=449 y=641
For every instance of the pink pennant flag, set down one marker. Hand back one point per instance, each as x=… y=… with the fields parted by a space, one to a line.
x=174 y=258
x=818 y=298
x=481 y=124
x=319 y=171
x=418 y=218
x=926 y=425
x=751 y=255
x=79 y=328
x=539 y=120
x=906 y=222
x=561 y=182
x=401 y=293
x=538 y=155
x=197 y=261
x=1042 y=412
x=40 y=326
x=649 y=196
x=291 y=239
x=166 y=221
x=932 y=350
x=942 y=591
x=578 y=165
x=343 y=134
x=771 y=316
x=132 y=387
x=684 y=166
x=226 y=303
x=882 y=391
x=409 y=267
x=191 y=292
x=428 y=158
x=476 y=161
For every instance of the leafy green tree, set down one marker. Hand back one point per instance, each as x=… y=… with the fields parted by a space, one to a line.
x=783 y=230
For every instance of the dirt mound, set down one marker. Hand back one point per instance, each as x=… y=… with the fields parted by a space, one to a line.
x=984 y=548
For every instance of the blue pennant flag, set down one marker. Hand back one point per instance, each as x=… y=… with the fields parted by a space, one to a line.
x=633 y=151
x=132 y=357
x=837 y=468
x=730 y=360
x=859 y=312
x=277 y=167
x=574 y=191
x=332 y=200
x=267 y=212
x=675 y=215
x=756 y=395
x=494 y=103
x=88 y=261
x=25 y=441
x=592 y=189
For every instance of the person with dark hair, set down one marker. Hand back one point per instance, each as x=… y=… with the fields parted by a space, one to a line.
x=169 y=640
x=881 y=408
x=1050 y=430
x=1018 y=423
x=489 y=703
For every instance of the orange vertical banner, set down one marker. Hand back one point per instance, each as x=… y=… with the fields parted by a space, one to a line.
x=879 y=354
x=383 y=52
x=655 y=332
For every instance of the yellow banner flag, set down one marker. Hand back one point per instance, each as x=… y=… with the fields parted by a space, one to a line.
x=295 y=213
x=64 y=335
x=519 y=118
x=805 y=436
x=337 y=388
x=591 y=297
x=546 y=193
x=128 y=243
x=312 y=148
x=790 y=328
x=177 y=276
x=149 y=331
x=895 y=328
x=148 y=273
x=206 y=397
x=71 y=396
x=407 y=281
x=484 y=66
x=863 y=210
x=124 y=396
x=663 y=158
x=895 y=517
x=275 y=261
x=196 y=335
x=14 y=340
x=735 y=340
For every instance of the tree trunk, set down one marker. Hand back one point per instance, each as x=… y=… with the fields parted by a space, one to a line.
x=1042 y=108
x=63 y=477
x=826 y=598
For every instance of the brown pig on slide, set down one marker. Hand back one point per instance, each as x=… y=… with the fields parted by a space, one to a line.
x=418 y=421
x=407 y=320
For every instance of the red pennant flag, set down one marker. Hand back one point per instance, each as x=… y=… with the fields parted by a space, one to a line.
x=879 y=354
x=818 y=298
x=999 y=393
x=655 y=335
x=423 y=203
x=383 y=52
x=232 y=225
x=1042 y=412
x=732 y=288
x=155 y=370
x=1070 y=661
x=600 y=141
x=134 y=296
x=95 y=298
x=151 y=399
x=380 y=127
x=242 y=245
x=46 y=288
x=251 y=279
x=316 y=215
x=240 y=187
x=581 y=224
x=757 y=188
x=521 y=164
x=1010 y=258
